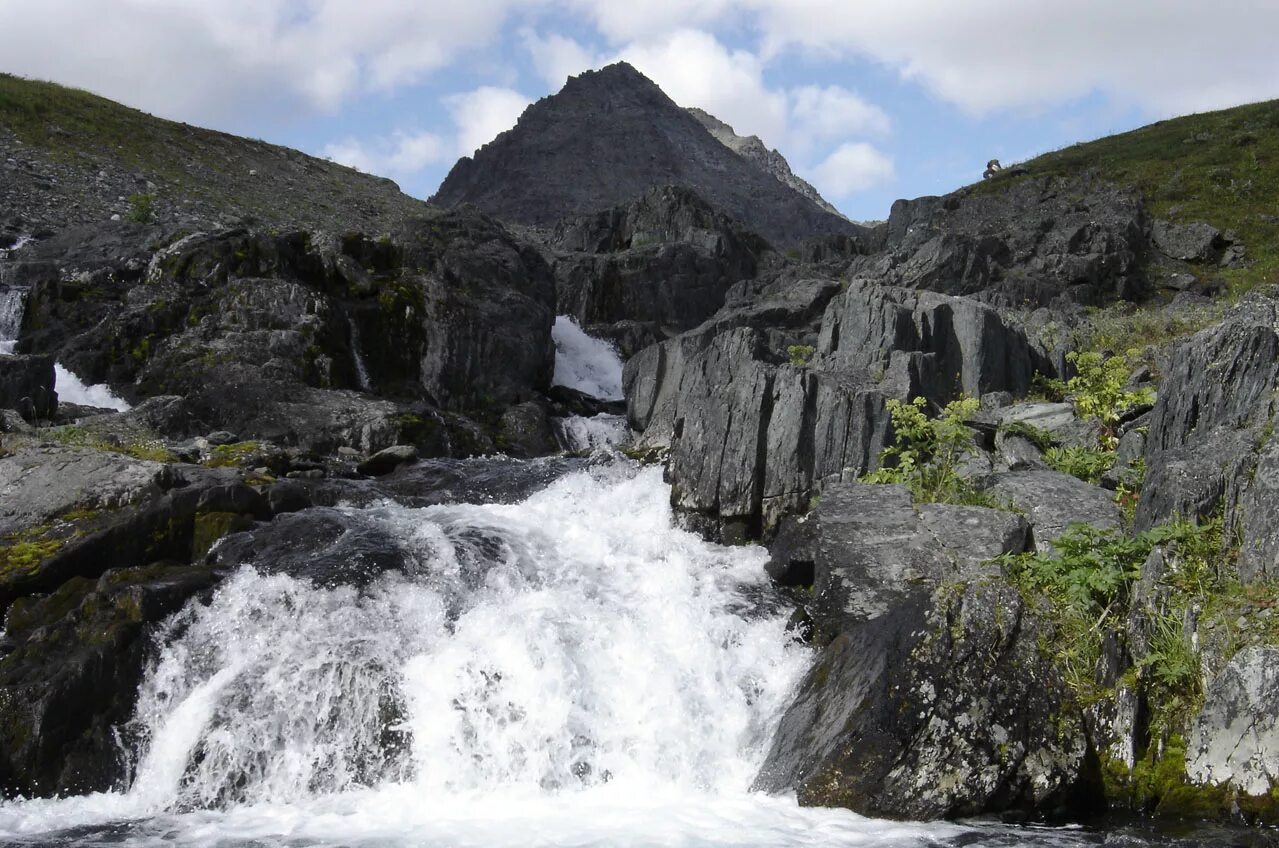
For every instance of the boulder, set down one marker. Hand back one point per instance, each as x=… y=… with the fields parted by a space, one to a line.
x=26 y=384
x=388 y=459
x=70 y=674
x=1234 y=741
x=1052 y=502
x=1196 y=242
x=865 y=549
x=944 y=707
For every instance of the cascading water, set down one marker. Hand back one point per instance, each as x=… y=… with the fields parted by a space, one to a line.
x=13 y=303
x=584 y=363
x=570 y=670
x=361 y=368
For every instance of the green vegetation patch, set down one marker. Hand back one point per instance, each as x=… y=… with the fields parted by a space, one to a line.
x=1218 y=167
x=927 y=452
x=143 y=449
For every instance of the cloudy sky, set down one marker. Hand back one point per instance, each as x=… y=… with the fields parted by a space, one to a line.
x=870 y=100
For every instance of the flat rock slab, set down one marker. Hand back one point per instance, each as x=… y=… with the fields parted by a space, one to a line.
x=1053 y=501
x=38 y=483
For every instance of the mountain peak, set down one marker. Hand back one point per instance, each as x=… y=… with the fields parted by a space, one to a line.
x=607 y=137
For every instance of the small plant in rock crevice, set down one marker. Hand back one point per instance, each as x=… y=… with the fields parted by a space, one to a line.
x=1085 y=463
x=800 y=354
x=1099 y=390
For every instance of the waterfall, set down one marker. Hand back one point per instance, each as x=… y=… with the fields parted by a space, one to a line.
x=361 y=368
x=584 y=363
x=13 y=303
x=569 y=670
x=579 y=433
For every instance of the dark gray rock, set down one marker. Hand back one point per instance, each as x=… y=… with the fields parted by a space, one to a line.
x=1036 y=241
x=867 y=548
x=26 y=384
x=388 y=459
x=70 y=676
x=1052 y=502
x=525 y=430
x=944 y=707
x=666 y=259
x=1197 y=242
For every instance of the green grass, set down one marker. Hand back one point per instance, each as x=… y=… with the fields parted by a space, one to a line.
x=1219 y=167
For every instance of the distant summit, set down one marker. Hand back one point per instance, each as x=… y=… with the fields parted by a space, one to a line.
x=753 y=150
x=604 y=139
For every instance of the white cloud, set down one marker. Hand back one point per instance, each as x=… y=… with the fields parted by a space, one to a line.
x=627 y=21
x=206 y=60
x=694 y=69
x=402 y=154
x=482 y=114
x=853 y=167
x=1169 y=56
x=834 y=112
x=558 y=57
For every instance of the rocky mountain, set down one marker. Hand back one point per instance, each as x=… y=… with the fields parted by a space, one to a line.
x=607 y=137
x=753 y=150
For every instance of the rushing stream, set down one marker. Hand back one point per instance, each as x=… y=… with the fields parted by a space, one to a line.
x=569 y=670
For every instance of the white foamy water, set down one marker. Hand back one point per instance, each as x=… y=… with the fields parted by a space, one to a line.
x=71 y=389
x=571 y=671
x=584 y=363
x=578 y=433
x=13 y=303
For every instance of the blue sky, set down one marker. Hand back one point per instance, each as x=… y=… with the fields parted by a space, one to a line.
x=870 y=100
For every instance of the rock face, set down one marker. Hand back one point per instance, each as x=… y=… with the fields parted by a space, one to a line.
x=607 y=137
x=1053 y=501
x=665 y=260
x=1234 y=742
x=288 y=337
x=1040 y=241
x=943 y=707
x=751 y=434
x=753 y=150
x=1211 y=445
x=26 y=384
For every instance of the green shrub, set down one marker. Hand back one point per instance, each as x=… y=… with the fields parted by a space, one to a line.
x=800 y=354
x=1098 y=390
x=141 y=208
x=927 y=451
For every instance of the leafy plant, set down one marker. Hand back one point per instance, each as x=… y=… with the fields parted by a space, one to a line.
x=927 y=451
x=800 y=354
x=1099 y=390
x=1085 y=463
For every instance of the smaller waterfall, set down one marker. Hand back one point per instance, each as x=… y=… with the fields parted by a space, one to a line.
x=6 y=252
x=71 y=389
x=587 y=364
x=579 y=433
x=13 y=302
x=361 y=368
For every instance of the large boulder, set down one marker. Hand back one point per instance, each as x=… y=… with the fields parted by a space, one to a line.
x=1196 y=242
x=946 y=706
x=787 y=386
x=1052 y=502
x=69 y=675
x=1234 y=741
x=866 y=549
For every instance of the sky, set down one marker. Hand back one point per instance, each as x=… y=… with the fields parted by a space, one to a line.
x=869 y=100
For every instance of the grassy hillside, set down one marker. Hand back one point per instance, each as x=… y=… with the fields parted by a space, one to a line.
x=78 y=153
x=1220 y=167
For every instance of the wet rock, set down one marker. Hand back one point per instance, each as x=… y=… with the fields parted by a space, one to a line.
x=26 y=385
x=388 y=459
x=1052 y=502
x=525 y=430
x=71 y=675
x=944 y=707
